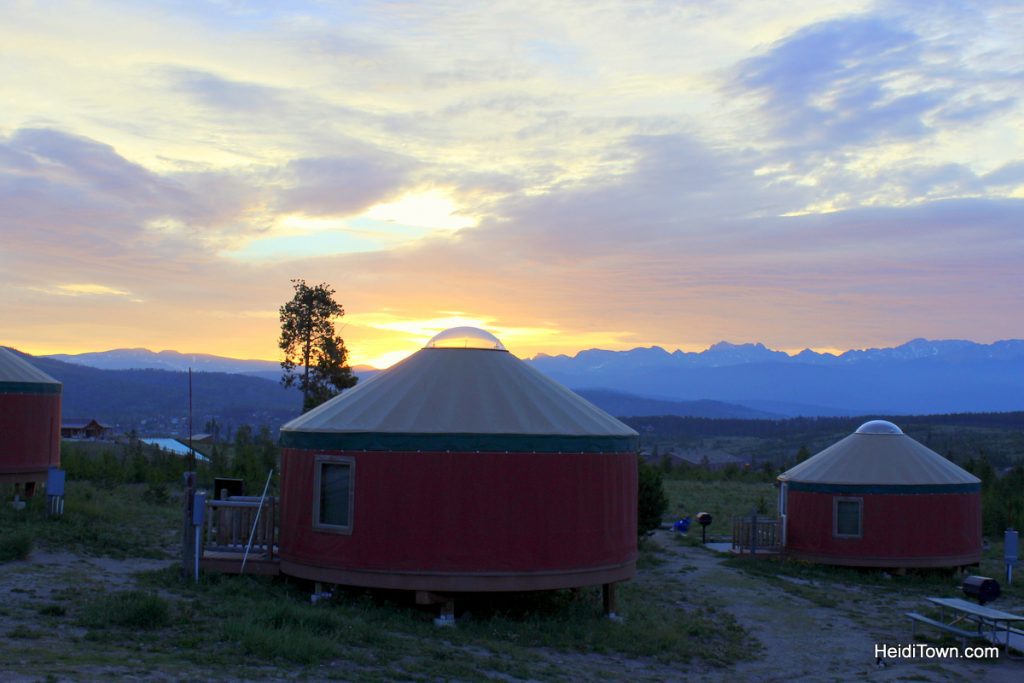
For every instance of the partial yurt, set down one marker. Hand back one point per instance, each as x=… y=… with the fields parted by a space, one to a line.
x=878 y=498
x=29 y=422
x=459 y=469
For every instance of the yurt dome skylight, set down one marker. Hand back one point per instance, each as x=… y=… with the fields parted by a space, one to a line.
x=465 y=338
x=879 y=427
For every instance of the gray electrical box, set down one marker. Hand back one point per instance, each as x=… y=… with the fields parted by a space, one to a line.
x=1011 y=547
x=198 y=508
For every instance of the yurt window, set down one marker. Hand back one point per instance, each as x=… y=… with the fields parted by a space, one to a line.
x=846 y=517
x=334 y=483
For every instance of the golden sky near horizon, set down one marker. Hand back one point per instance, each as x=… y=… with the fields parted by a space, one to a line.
x=567 y=175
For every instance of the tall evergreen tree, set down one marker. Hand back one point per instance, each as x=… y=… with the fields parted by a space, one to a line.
x=315 y=357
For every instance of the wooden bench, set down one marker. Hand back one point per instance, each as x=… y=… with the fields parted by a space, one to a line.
x=963 y=633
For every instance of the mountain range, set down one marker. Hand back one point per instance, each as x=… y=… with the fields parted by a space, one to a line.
x=918 y=377
x=726 y=380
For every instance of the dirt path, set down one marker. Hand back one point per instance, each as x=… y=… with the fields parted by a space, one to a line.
x=830 y=635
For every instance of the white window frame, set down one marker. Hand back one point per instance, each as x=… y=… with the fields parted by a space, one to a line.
x=835 y=516
x=318 y=464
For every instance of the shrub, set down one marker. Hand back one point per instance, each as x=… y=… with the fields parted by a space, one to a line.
x=15 y=546
x=652 y=501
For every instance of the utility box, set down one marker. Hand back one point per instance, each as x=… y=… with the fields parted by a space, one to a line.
x=198 y=508
x=55 y=479
x=1011 y=547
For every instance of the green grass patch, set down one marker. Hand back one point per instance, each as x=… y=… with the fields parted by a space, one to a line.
x=126 y=609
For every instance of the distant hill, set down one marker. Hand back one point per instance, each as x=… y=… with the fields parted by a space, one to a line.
x=628 y=405
x=144 y=359
x=155 y=402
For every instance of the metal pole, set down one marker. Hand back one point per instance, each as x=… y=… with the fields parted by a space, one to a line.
x=186 y=536
x=255 y=522
x=196 y=553
x=191 y=451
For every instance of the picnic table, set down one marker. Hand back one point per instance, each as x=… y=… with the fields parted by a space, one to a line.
x=968 y=620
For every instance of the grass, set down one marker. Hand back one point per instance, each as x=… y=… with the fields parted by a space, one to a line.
x=120 y=522
x=126 y=609
x=253 y=627
x=723 y=499
x=272 y=621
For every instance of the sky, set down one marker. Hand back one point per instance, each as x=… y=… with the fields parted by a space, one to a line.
x=568 y=175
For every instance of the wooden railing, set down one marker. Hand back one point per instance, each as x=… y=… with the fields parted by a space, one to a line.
x=756 y=534
x=229 y=523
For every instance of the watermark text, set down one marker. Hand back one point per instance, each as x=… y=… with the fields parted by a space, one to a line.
x=926 y=651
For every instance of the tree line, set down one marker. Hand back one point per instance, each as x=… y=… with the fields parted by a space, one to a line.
x=249 y=456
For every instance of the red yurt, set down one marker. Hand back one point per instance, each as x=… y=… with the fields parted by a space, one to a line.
x=459 y=469
x=29 y=422
x=880 y=499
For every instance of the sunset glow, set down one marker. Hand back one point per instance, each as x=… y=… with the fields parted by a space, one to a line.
x=565 y=175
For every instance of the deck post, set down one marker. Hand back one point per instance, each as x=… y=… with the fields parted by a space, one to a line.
x=608 y=600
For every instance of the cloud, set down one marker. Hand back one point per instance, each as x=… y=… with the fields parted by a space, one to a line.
x=832 y=83
x=80 y=289
x=226 y=95
x=868 y=79
x=828 y=175
x=344 y=185
x=1008 y=175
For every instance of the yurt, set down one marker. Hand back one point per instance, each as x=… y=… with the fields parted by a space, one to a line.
x=29 y=422
x=878 y=498
x=459 y=469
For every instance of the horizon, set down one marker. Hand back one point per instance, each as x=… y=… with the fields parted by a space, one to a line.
x=833 y=176
x=789 y=352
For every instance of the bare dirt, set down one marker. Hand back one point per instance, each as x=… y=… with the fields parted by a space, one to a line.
x=798 y=630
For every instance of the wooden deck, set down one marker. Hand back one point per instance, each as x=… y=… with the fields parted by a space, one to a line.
x=752 y=535
x=230 y=562
x=234 y=524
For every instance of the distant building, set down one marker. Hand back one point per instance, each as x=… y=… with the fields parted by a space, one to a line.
x=29 y=414
x=880 y=499
x=86 y=429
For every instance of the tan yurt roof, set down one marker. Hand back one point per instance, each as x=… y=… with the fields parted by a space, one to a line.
x=878 y=453
x=15 y=371
x=463 y=382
